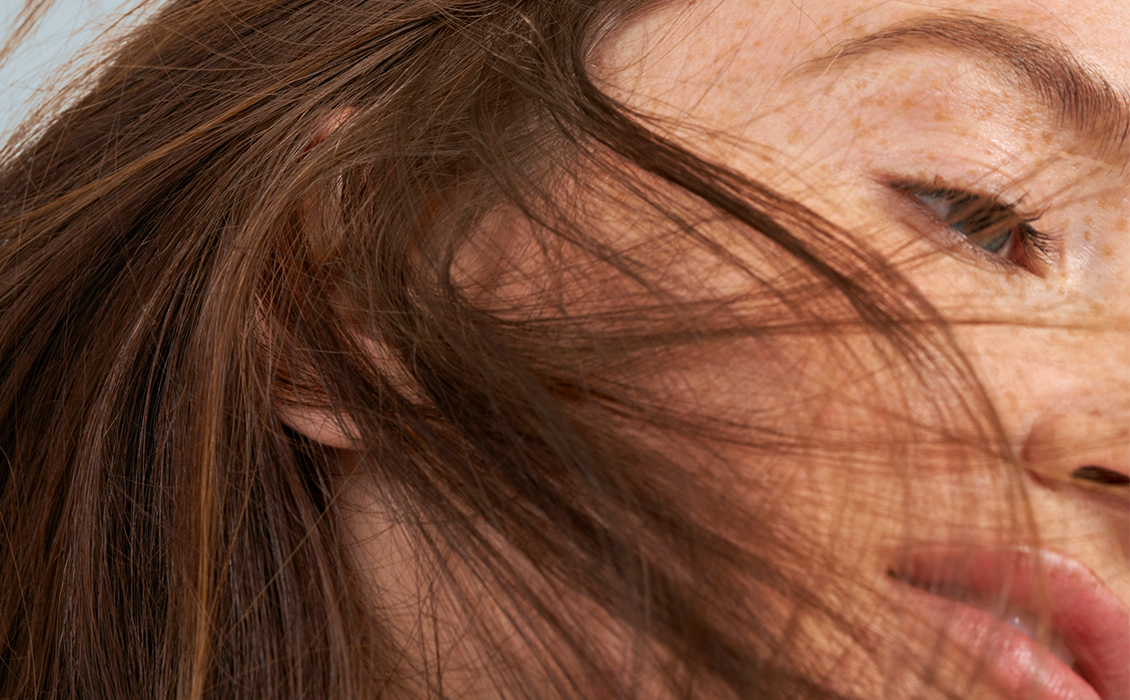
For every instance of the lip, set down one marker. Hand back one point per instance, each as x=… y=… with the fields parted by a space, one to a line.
x=1093 y=622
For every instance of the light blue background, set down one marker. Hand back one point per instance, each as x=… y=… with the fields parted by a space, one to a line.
x=68 y=27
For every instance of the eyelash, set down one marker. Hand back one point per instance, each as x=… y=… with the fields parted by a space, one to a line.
x=987 y=218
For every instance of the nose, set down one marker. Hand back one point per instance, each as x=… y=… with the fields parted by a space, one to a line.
x=1090 y=450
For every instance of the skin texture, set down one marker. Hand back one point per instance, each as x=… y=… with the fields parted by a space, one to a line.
x=1047 y=340
x=924 y=113
x=729 y=78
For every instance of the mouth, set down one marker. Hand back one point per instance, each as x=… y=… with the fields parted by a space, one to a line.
x=1043 y=625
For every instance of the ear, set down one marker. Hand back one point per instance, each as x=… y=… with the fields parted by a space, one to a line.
x=313 y=417
x=298 y=392
x=320 y=424
x=316 y=420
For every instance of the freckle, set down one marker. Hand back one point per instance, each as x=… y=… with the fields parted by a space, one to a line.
x=1049 y=137
x=907 y=102
x=856 y=122
x=941 y=116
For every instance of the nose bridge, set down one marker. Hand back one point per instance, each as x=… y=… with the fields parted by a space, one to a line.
x=1080 y=434
x=1113 y=252
x=1122 y=236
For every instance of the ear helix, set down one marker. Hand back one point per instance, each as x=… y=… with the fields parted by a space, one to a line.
x=320 y=210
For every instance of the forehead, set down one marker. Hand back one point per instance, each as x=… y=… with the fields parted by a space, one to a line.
x=750 y=44
x=1034 y=79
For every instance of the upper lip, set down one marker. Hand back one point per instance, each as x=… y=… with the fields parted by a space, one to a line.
x=1093 y=622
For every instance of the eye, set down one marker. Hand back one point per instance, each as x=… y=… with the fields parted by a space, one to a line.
x=984 y=227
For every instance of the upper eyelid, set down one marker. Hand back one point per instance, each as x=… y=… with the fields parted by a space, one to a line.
x=1021 y=205
x=968 y=205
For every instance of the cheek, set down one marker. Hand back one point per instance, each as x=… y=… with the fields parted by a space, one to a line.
x=802 y=417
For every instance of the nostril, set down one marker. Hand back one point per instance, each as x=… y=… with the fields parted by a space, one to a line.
x=1106 y=486
x=1087 y=448
x=1101 y=475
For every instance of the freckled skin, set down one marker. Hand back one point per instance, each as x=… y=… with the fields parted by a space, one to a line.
x=1058 y=342
x=1047 y=345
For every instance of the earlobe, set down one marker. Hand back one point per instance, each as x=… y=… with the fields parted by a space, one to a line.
x=322 y=425
x=315 y=418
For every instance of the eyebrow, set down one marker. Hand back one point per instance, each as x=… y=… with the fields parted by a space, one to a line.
x=1076 y=94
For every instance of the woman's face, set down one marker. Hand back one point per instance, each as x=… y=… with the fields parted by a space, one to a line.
x=984 y=153
x=984 y=150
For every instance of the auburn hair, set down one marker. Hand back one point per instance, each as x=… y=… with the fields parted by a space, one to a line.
x=251 y=207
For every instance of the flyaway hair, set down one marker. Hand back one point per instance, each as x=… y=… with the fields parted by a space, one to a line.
x=412 y=218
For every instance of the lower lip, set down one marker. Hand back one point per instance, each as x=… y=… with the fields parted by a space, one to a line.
x=1022 y=667
x=1093 y=622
